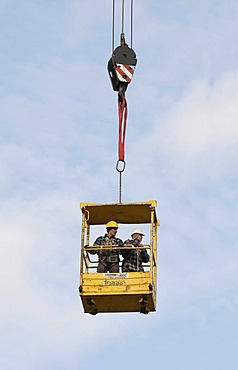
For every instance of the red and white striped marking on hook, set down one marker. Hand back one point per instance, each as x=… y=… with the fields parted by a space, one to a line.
x=125 y=72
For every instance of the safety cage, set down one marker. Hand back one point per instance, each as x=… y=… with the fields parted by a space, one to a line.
x=123 y=291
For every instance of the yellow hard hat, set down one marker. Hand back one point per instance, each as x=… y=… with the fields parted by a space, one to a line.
x=111 y=224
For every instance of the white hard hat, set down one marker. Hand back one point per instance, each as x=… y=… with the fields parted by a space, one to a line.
x=137 y=231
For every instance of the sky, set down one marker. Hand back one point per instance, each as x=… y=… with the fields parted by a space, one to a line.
x=58 y=147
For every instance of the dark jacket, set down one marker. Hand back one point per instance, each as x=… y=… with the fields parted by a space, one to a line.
x=133 y=258
x=106 y=256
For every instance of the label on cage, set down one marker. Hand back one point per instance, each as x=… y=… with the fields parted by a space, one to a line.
x=119 y=275
x=113 y=282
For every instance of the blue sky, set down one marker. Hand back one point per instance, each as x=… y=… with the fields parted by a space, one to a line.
x=58 y=147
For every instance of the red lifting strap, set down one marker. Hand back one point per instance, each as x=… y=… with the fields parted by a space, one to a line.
x=122 y=113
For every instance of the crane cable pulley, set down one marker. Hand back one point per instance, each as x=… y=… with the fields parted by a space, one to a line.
x=121 y=68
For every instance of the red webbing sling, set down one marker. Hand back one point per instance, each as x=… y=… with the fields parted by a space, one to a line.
x=122 y=114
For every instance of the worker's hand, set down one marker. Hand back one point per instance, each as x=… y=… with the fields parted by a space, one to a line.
x=86 y=246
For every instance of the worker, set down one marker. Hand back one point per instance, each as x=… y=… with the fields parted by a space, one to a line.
x=108 y=260
x=133 y=258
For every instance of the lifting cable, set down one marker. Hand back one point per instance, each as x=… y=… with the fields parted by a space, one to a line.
x=121 y=68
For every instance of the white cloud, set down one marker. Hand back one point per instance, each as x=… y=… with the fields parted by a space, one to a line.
x=205 y=118
x=59 y=147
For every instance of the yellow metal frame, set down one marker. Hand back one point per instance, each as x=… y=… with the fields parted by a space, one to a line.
x=118 y=292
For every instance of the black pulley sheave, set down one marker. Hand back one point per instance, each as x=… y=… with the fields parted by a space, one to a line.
x=121 y=66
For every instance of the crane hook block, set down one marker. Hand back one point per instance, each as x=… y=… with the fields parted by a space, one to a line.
x=121 y=67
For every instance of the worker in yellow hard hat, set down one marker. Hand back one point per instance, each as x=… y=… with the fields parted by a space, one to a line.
x=108 y=260
x=133 y=258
